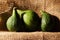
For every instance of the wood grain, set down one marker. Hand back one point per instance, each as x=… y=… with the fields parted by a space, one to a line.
x=51 y=35
x=29 y=35
x=21 y=36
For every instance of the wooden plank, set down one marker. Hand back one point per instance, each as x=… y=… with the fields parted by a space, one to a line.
x=51 y=36
x=29 y=35
x=21 y=36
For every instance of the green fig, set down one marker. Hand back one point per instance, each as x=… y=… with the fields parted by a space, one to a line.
x=47 y=23
x=14 y=22
x=20 y=12
x=31 y=20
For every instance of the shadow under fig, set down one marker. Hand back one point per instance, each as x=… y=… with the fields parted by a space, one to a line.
x=55 y=22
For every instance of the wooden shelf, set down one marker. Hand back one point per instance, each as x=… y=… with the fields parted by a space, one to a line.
x=29 y=35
